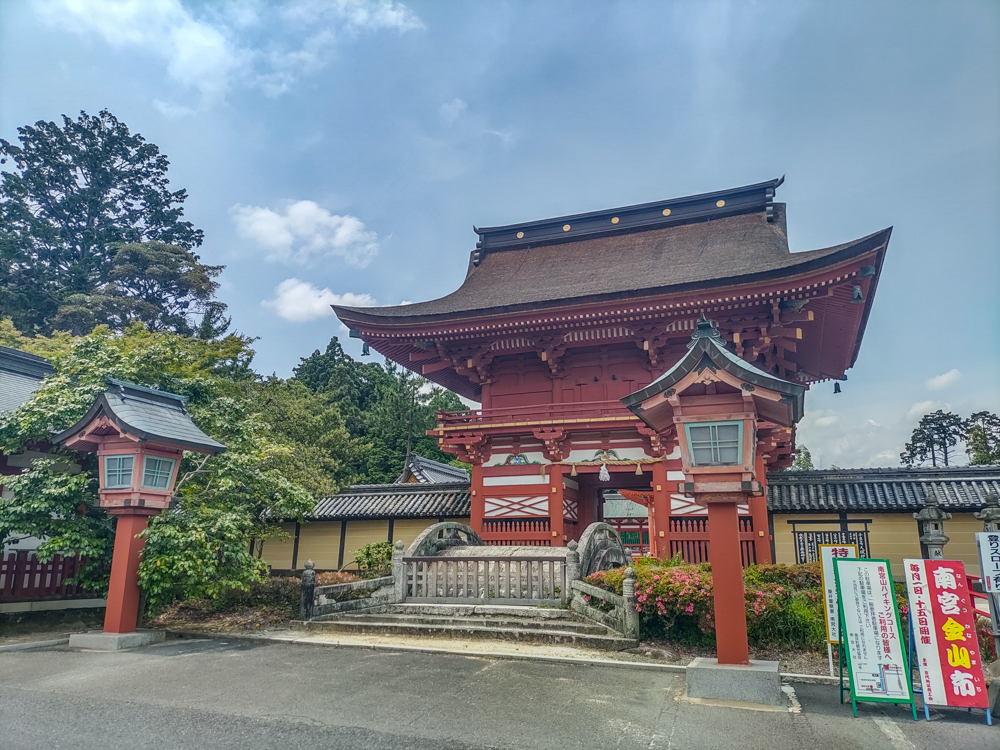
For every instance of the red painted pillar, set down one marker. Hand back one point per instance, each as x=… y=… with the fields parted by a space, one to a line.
x=659 y=513
x=556 y=505
x=727 y=583
x=758 y=511
x=123 y=593
x=478 y=504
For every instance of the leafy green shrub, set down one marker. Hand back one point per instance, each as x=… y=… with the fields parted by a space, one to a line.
x=374 y=559
x=333 y=577
x=784 y=604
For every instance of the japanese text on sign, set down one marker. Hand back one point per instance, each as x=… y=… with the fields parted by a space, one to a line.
x=827 y=554
x=944 y=634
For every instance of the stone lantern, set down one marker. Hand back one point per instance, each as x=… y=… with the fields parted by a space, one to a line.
x=932 y=518
x=990 y=514
x=714 y=402
x=140 y=435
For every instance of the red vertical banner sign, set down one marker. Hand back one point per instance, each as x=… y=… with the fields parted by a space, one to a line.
x=944 y=633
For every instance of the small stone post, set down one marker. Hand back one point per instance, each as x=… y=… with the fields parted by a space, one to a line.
x=932 y=520
x=398 y=572
x=308 y=592
x=572 y=571
x=629 y=602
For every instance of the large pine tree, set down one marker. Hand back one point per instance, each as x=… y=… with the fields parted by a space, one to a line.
x=91 y=232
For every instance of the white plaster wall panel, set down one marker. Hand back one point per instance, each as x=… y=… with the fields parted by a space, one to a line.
x=571 y=509
x=515 y=480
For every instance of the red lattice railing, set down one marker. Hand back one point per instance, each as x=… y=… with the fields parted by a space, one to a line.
x=24 y=578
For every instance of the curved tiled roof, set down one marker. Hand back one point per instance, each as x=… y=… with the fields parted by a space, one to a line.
x=957 y=488
x=428 y=471
x=374 y=501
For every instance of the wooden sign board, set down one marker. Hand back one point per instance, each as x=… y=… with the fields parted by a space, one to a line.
x=944 y=634
x=871 y=635
x=827 y=554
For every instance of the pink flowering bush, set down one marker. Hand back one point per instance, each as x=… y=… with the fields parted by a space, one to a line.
x=784 y=604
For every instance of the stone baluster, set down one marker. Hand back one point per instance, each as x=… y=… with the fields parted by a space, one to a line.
x=572 y=571
x=932 y=519
x=629 y=603
x=308 y=599
x=398 y=572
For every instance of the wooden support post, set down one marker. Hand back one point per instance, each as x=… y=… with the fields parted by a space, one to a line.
x=478 y=506
x=758 y=511
x=556 y=505
x=659 y=514
x=727 y=583
x=123 y=592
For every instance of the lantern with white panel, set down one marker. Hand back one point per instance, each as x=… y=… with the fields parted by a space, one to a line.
x=717 y=403
x=140 y=436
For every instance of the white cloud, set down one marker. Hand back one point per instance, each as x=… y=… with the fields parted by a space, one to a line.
x=205 y=52
x=453 y=109
x=945 y=380
x=300 y=302
x=304 y=230
x=826 y=421
x=198 y=54
x=924 y=407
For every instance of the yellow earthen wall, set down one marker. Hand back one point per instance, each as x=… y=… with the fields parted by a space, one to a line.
x=892 y=536
x=278 y=552
x=360 y=533
x=319 y=541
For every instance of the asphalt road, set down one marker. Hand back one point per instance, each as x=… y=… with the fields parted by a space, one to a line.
x=214 y=694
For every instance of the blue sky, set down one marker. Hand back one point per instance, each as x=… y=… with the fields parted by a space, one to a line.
x=343 y=150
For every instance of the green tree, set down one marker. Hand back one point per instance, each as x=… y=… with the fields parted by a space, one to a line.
x=222 y=501
x=379 y=405
x=934 y=437
x=803 y=460
x=79 y=200
x=324 y=455
x=163 y=286
x=982 y=438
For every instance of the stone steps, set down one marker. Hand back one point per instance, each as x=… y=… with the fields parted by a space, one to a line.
x=496 y=622
x=523 y=624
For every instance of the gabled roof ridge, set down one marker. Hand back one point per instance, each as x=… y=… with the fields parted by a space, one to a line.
x=21 y=362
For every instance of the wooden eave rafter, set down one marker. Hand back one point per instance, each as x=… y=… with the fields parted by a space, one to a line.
x=769 y=320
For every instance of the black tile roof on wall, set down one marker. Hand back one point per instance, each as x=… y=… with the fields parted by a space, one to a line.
x=901 y=490
x=415 y=500
x=428 y=471
x=20 y=375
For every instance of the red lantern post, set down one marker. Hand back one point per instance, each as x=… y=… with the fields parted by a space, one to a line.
x=140 y=435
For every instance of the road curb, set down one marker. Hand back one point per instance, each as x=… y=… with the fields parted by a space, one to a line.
x=33 y=645
x=675 y=668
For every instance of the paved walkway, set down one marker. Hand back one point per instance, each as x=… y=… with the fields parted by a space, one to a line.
x=239 y=694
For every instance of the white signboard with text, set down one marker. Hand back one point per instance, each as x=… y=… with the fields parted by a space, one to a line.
x=988 y=543
x=876 y=661
x=827 y=554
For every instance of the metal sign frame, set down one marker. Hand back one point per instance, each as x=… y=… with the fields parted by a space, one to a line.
x=845 y=654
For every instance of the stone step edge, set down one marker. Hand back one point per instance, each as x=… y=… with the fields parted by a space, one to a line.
x=407 y=618
x=808 y=679
x=416 y=628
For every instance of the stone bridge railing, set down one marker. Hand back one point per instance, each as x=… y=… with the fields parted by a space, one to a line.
x=448 y=563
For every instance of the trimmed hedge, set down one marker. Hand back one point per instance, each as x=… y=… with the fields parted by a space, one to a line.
x=784 y=603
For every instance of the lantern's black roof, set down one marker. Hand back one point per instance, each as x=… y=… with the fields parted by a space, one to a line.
x=149 y=414
x=415 y=500
x=708 y=349
x=898 y=490
x=427 y=471
x=20 y=375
